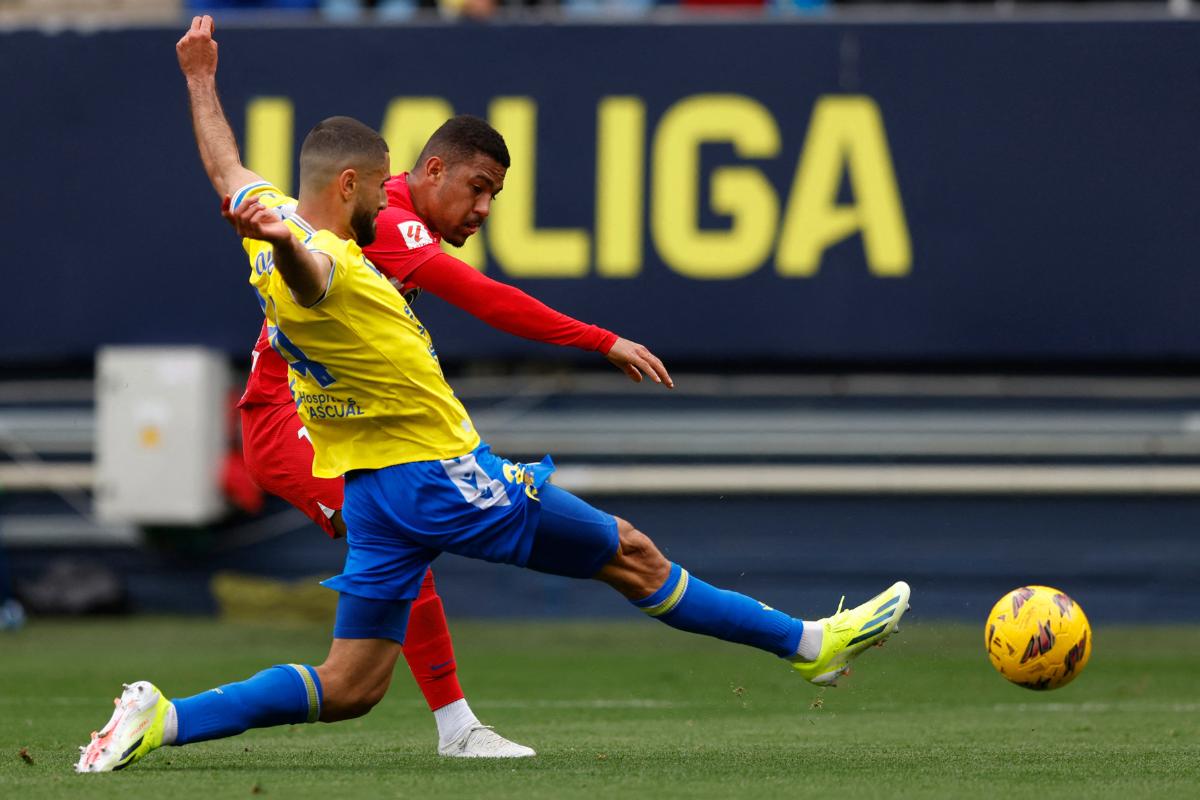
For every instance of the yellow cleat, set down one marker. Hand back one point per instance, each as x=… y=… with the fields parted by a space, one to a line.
x=848 y=633
x=134 y=729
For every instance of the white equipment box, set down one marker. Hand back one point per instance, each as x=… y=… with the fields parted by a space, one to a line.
x=161 y=434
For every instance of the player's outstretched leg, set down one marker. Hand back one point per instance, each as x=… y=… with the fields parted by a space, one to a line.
x=354 y=677
x=145 y=720
x=578 y=540
x=819 y=650
x=429 y=652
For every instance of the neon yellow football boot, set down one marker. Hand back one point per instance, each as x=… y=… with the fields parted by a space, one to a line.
x=848 y=633
x=134 y=729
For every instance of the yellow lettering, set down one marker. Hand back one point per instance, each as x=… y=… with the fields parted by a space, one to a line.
x=269 y=141
x=523 y=250
x=407 y=125
x=741 y=193
x=620 y=156
x=845 y=134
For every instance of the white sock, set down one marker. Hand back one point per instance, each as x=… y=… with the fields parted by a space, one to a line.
x=811 y=637
x=170 y=725
x=453 y=720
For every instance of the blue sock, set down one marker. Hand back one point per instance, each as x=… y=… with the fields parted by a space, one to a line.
x=280 y=695
x=690 y=604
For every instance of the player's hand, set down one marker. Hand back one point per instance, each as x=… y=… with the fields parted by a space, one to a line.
x=197 y=51
x=635 y=360
x=253 y=220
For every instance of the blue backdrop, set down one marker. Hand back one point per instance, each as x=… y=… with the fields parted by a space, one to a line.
x=850 y=192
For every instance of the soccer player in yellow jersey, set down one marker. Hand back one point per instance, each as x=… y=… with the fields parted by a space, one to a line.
x=419 y=481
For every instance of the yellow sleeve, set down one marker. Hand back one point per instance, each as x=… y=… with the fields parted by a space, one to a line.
x=274 y=287
x=266 y=193
x=328 y=244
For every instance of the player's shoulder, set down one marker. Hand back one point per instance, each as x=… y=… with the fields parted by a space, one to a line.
x=402 y=229
x=342 y=251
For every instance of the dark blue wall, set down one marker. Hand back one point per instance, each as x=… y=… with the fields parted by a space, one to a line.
x=960 y=554
x=1047 y=172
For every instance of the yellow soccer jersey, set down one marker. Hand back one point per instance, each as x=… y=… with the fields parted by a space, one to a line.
x=363 y=372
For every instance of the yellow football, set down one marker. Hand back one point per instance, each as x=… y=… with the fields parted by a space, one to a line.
x=1038 y=637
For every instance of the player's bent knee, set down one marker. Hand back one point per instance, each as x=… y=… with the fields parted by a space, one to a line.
x=355 y=676
x=347 y=699
x=362 y=700
x=640 y=550
x=638 y=568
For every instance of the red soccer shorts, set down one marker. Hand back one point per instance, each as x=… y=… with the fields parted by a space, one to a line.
x=279 y=458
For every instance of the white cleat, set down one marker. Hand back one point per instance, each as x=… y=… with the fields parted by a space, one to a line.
x=480 y=741
x=134 y=729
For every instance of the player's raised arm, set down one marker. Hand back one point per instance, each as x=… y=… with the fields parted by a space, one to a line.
x=306 y=273
x=197 y=52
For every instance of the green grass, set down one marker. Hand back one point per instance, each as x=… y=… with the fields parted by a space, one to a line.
x=626 y=710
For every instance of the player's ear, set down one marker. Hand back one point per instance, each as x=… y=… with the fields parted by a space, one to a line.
x=435 y=168
x=348 y=183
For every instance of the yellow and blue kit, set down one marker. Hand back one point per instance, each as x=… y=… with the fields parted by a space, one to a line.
x=363 y=372
x=418 y=483
x=369 y=388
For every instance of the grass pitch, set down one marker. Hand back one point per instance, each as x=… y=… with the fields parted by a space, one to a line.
x=625 y=710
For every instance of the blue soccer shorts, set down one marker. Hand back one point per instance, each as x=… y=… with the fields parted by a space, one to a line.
x=400 y=518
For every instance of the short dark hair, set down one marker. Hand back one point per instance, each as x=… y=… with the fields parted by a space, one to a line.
x=336 y=144
x=461 y=137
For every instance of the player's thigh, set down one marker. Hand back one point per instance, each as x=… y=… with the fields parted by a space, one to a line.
x=279 y=456
x=572 y=538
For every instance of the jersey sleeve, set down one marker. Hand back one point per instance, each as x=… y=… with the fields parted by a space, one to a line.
x=329 y=245
x=402 y=243
x=505 y=307
x=266 y=193
x=324 y=243
x=271 y=197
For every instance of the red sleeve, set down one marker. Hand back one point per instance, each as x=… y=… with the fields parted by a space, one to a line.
x=505 y=307
x=402 y=243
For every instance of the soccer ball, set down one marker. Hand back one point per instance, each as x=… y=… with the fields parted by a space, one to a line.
x=1037 y=637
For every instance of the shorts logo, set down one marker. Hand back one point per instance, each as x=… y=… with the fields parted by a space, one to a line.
x=415 y=234
x=477 y=487
x=521 y=474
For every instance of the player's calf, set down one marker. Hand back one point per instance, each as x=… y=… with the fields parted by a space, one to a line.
x=667 y=592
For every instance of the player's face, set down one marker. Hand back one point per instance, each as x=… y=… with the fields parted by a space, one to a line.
x=464 y=197
x=369 y=199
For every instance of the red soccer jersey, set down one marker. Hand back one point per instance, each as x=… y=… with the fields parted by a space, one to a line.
x=268 y=381
x=404 y=243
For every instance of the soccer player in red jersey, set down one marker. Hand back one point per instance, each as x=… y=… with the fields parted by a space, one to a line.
x=447 y=196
